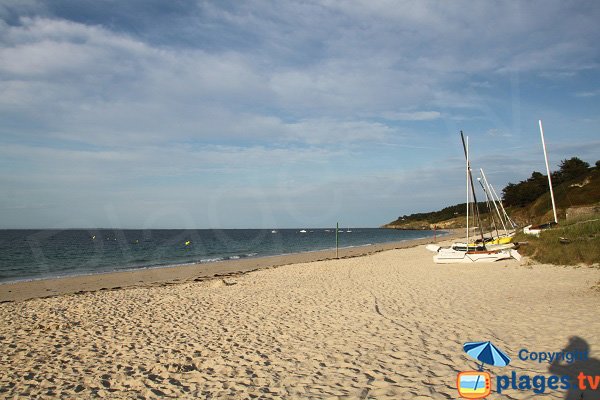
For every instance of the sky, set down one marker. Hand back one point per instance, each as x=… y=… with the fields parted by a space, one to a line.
x=281 y=114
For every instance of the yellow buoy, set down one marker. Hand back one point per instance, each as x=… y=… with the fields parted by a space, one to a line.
x=188 y=243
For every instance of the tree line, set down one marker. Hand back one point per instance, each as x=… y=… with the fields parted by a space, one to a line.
x=526 y=191
x=514 y=194
x=442 y=215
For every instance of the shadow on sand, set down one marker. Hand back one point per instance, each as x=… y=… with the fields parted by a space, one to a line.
x=589 y=367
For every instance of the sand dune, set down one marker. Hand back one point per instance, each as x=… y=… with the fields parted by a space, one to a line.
x=386 y=325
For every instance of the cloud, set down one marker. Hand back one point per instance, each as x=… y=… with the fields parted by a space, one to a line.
x=498 y=133
x=339 y=133
x=127 y=164
x=588 y=93
x=67 y=76
x=288 y=97
x=413 y=116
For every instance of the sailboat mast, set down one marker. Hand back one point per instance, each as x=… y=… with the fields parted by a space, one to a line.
x=467 y=186
x=548 y=171
x=492 y=218
x=492 y=196
x=470 y=179
x=510 y=221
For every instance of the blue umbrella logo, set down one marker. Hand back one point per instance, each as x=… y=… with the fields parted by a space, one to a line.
x=486 y=353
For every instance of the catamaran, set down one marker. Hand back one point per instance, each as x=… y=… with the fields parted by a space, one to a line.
x=468 y=252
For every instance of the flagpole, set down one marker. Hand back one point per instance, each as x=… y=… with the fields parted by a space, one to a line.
x=467 y=154
x=337 y=227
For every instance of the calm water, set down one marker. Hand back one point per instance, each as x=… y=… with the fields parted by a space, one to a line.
x=34 y=254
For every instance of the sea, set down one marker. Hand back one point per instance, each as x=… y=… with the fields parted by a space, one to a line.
x=39 y=254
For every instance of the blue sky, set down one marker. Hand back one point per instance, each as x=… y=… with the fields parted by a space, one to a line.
x=227 y=114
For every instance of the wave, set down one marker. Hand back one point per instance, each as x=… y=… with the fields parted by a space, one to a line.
x=226 y=258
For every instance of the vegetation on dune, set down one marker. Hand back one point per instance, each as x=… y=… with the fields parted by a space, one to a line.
x=570 y=243
x=581 y=191
x=527 y=202
x=527 y=191
x=436 y=216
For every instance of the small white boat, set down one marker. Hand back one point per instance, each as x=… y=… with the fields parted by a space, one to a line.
x=303 y=231
x=274 y=231
x=537 y=229
x=530 y=230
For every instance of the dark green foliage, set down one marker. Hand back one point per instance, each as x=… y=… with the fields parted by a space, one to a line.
x=527 y=202
x=572 y=169
x=437 y=216
x=523 y=193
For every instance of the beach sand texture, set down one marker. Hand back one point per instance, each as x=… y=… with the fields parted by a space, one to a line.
x=387 y=325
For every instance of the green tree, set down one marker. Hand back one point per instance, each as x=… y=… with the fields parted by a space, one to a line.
x=572 y=168
x=524 y=192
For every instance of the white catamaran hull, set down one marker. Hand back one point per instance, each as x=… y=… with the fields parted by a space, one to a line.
x=451 y=256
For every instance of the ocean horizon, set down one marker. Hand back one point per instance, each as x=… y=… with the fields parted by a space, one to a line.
x=32 y=254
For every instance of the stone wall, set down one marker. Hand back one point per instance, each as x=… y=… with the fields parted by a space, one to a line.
x=575 y=212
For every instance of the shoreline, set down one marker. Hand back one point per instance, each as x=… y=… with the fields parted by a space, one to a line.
x=151 y=276
x=386 y=325
x=251 y=256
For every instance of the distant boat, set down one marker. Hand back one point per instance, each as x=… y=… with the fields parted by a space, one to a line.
x=303 y=231
x=273 y=231
x=348 y=230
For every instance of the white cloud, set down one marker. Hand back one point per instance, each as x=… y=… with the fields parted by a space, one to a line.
x=338 y=133
x=413 y=116
x=498 y=133
x=588 y=93
x=285 y=92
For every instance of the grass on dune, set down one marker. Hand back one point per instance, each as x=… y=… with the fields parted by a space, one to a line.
x=582 y=244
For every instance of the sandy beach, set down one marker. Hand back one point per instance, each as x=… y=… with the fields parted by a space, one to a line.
x=389 y=324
